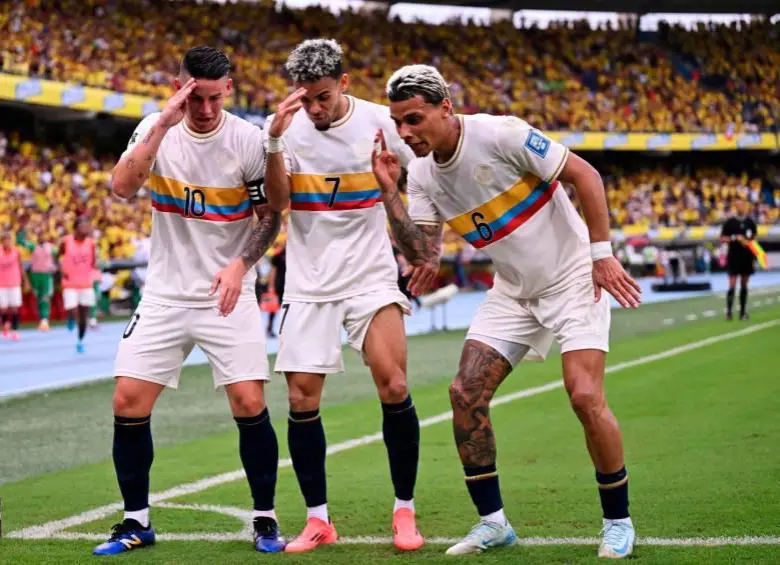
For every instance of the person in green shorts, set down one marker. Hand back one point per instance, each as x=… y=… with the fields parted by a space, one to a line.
x=43 y=265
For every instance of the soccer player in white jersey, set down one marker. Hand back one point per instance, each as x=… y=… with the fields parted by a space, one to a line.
x=204 y=168
x=341 y=272
x=496 y=181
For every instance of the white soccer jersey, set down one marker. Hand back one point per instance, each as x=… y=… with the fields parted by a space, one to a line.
x=499 y=191
x=337 y=239
x=202 y=213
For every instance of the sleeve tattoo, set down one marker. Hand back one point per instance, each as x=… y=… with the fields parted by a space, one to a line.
x=262 y=236
x=420 y=244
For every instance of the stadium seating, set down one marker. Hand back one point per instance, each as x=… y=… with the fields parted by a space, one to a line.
x=716 y=79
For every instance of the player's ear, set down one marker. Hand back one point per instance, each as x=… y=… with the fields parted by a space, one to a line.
x=229 y=86
x=344 y=82
x=446 y=107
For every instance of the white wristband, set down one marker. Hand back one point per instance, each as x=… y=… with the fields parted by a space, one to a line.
x=275 y=145
x=600 y=250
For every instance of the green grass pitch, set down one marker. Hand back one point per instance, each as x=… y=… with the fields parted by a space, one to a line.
x=697 y=400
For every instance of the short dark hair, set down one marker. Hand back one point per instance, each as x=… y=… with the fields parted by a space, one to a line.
x=205 y=62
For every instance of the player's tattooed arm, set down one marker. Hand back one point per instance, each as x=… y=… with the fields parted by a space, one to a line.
x=482 y=369
x=420 y=243
x=263 y=235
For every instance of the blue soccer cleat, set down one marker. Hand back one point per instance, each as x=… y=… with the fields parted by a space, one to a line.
x=618 y=539
x=80 y=347
x=484 y=536
x=127 y=536
x=268 y=539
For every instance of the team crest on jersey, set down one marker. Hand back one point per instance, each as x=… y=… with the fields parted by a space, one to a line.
x=537 y=143
x=483 y=174
x=749 y=233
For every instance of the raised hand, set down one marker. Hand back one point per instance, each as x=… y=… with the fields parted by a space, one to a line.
x=385 y=164
x=285 y=112
x=173 y=112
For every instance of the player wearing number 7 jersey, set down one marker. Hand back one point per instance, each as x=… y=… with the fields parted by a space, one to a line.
x=204 y=168
x=496 y=181
x=341 y=272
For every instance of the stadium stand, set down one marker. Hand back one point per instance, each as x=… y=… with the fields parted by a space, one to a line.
x=588 y=86
x=567 y=76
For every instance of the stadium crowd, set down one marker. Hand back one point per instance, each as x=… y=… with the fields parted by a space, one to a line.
x=44 y=189
x=719 y=79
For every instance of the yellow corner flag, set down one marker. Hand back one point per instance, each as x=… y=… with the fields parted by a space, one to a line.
x=758 y=251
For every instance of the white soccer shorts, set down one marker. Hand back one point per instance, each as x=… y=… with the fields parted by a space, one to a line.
x=525 y=329
x=310 y=332
x=11 y=297
x=74 y=297
x=159 y=338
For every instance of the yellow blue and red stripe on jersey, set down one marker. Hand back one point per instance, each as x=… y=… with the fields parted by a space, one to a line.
x=199 y=202
x=503 y=214
x=329 y=192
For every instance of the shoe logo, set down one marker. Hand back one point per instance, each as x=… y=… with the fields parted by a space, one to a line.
x=131 y=542
x=318 y=537
x=623 y=549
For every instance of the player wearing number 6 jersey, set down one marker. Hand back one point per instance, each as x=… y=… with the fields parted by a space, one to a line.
x=341 y=272
x=204 y=168
x=495 y=180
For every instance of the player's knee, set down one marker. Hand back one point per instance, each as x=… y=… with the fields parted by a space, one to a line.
x=302 y=398
x=247 y=405
x=394 y=389
x=587 y=401
x=128 y=404
x=460 y=397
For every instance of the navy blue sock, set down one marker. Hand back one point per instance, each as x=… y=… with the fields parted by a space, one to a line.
x=613 y=491
x=15 y=321
x=482 y=483
x=306 y=440
x=401 y=431
x=259 y=451
x=743 y=296
x=133 y=455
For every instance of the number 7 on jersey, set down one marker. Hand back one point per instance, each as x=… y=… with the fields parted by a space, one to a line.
x=336 y=183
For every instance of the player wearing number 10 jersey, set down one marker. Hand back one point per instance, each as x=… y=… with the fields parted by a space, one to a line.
x=341 y=272
x=204 y=168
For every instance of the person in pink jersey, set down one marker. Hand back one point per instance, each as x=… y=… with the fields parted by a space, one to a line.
x=12 y=276
x=42 y=268
x=78 y=260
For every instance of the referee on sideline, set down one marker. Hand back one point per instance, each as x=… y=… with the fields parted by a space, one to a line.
x=737 y=231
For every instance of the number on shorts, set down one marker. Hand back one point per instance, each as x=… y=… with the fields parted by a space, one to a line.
x=285 y=309
x=194 y=202
x=482 y=228
x=131 y=325
x=336 y=183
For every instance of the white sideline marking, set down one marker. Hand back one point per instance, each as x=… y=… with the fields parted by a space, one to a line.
x=531 y=541
x=709 y=313
x=50 y=530
x=246 y=534
x=668 y=321
x=691 y=318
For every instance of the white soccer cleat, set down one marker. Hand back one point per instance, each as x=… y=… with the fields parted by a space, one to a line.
x=618 y=539
x=483 y=536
